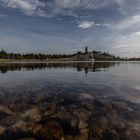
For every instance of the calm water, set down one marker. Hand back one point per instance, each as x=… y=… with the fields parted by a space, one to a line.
x=74 y=101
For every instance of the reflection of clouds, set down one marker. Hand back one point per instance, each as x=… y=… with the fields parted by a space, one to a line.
x=129 y=94
x=86 y=96
x=120 y=81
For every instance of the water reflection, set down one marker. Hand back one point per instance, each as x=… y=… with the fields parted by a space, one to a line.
x=54 y=102
x=87 y=67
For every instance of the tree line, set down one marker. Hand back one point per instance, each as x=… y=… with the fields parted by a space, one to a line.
x=97 y=55
x=6 y=55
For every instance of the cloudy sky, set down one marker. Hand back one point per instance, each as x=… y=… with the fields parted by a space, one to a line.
x=65 y=26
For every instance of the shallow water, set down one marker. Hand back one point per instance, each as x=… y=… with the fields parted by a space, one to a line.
x=70 y=101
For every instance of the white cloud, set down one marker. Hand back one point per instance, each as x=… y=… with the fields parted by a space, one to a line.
x=38 y=7
x=126 y=45
x=135 y=34
x=127 y=23
x=101 y=24
x=85 y=24
x=124 y=40
x=69 y=7
x=121 y=46
x=89 y=24
x=30 y=7
x=86 y=4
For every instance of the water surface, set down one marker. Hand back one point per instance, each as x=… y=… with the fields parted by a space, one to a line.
x=70 y=101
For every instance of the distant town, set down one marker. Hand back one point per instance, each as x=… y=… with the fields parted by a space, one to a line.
x=78 y=56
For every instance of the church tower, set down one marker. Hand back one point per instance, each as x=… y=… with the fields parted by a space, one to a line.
x=86 y=49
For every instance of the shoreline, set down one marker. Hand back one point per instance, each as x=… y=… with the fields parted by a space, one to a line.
x=60 y=61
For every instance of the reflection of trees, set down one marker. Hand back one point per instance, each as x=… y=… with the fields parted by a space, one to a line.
x=20 y=66
x=94 y=67
x=4 y=67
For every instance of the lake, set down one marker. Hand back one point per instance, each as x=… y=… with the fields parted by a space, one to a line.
x=70 y=101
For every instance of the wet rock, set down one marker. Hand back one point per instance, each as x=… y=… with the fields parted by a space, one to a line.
x=22 y=126
x=6 y=110
x=52 y=130
x=82 y=125
x=99 y=127
x=97 y=132
x=84 y=133
x=80 y=137
x=74 y=122
x=124 y=106
x=27 y=139
x=133 y=132
x=86 y=96
x=37 y=128
x=103 y=122
x=71 y=137
x=32 y=115
x=62 y=115
x=39 y=98
x=2 y=129
x=8 y=120
x=89 y=105
x=113 y=117
x=82 y=113
x=20 y=106
x=50 y=110
x=113 y=135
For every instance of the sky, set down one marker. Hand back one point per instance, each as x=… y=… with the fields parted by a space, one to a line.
x=67 y=26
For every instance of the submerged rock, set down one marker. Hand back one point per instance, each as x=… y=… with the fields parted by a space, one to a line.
x=52 y=130
x=22 y=126
x=82 y=113
x=86 y=96
x=6 y=110
x=74 y=122
x=27 y=139
x=8 y=121
x=84 y=134
x=32 y=115
x=36 y=128
x=2 y=129
x=82 y=125
x=71 y=138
